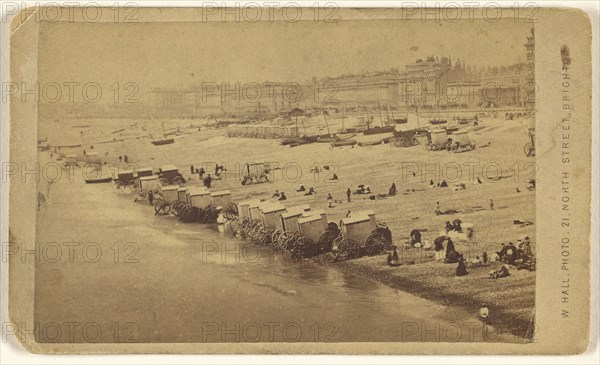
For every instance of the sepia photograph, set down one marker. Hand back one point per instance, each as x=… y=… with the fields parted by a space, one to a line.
x=288 y=175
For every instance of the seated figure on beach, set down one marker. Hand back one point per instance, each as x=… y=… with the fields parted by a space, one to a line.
x=415 y=238
x=461 y=269
x=451 y=254
x=502 y=272
x=282 y=196
x=334 y=177
x=311 y=191
x=449 y=227
x=392 y=258
x=301 y=188
x=456 y=225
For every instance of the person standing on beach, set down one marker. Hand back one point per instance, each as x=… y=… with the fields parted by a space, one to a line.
x=349 y=195
x=437 y=208
x=120 y=158
x=192 y=169
x=491 y=204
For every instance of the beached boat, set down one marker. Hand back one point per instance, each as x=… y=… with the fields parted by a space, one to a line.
x=328 y=139
x=160 y=142
x=164 y=140
x=438 y=121
x=378 y=130
x=99 y=180
x=345 y=142
x=298 y=141
x=370 y=143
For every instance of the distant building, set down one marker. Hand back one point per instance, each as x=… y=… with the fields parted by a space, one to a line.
x=432 y=83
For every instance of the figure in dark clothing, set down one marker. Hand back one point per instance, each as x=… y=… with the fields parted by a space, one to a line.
x=126 y=158
x=392 y=190
x=150 y=197
x=334 y=177
x=392 y=258
x=415 y=237
x=349 y=195
x=449 y=247
x=508 y=253
x=120 y=158
x=282 y=196
x=443 y=184
x=311 y=191
x=201 y=173
x=461 y=269
x=192 y=169
x=301 y=188
x=208 y=181
x=456 y=225
x=449 y=227
x=276 y=195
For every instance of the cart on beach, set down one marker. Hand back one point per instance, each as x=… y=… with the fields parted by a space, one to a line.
x=125 y=179
x=298 y=231
x=256 y=173
x=170 y=175
x=361 y=235
x=409 y=138
x=167 y=196
x=437 y=141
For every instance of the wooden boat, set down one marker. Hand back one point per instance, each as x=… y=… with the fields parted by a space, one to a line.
x=438 y=121
x=164 y=140
x=378 y=129
x=327 y=139
x=345 y=142
x=99 y=180
x=293 y=142
x=370 y=143
x=160 y=142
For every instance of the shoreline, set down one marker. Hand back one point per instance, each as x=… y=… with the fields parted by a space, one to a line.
x=403 y=278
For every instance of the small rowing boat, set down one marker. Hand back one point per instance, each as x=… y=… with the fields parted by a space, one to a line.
x=370 y=143
x=345 y=142
x=99 y=181
x=323 y=139
x=160 y=142
x=378 y=130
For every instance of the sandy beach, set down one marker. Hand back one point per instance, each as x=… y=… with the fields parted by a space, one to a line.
x=502 y=176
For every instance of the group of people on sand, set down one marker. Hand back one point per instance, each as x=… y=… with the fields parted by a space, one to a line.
x=279 y=196
x=520 y=255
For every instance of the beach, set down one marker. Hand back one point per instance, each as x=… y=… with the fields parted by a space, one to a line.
x=486 y=173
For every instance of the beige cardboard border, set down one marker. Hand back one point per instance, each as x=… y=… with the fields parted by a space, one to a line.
x=555 y=28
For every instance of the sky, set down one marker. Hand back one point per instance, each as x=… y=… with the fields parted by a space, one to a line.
x=185 y=54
